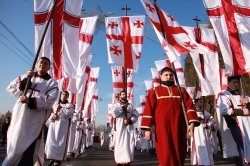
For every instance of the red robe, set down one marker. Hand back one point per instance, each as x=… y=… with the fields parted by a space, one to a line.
x=163 y=108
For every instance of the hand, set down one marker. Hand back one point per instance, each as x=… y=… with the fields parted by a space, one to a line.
x=245 y=111
x=58 y=106
x=202 y=117
x=30 y=73
x=204 y=125
x=54 y=117
x=148 y=135
x=24 y=99
x=245 y=100
x=125 y=121
x=126 y=105
x=190 y=129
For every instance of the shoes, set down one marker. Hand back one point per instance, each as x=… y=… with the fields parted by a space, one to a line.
x=67 y=158
x=51 y=162
x=57 y=163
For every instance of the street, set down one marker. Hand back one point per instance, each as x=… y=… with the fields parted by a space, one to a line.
x=100 y=155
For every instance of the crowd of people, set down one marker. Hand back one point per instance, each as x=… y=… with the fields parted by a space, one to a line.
x=163 y=130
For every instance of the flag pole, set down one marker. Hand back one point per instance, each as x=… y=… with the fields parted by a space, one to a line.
x=125 y=69
x=39 y=48
x=197 y=36
x=174 y=71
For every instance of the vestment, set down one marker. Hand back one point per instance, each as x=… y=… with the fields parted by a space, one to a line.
x=163 y=108
x=124 y=135
x=28 y=119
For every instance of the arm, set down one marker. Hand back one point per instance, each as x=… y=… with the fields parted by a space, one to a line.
x=227 y=108
x=17 y=86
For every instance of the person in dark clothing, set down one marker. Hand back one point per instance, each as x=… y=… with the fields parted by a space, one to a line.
x=5 y=129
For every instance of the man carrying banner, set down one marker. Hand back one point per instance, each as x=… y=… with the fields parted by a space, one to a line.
x=124 y=145
x=163 y=108
x=231 y=105
x=25 y=144
x=58 y=133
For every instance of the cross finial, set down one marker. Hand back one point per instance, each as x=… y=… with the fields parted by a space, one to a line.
x=126 y=9
x=197 y=22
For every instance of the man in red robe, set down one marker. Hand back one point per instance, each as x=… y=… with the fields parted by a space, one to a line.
x=163 y=109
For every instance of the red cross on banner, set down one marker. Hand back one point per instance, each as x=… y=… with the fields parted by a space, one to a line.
x=64 y=24
x=167 y=28
x=113 y=24
x=124 y=39
x=230 y=22
x=117 y=73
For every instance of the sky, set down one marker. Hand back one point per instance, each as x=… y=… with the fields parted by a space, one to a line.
x=17 y=16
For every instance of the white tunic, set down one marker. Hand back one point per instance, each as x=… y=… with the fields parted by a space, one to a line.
x=78 y=142
x=201 y=149
x=89 y=130
x=57 y=138
x=227 y=103
x=26 y=124
x=124 y=145
x=72 y=132
x=102 y=137
x=112 y=139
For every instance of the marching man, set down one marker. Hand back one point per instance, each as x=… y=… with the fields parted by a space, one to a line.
x=124 y=144
x=29 y=115
x=201 y=149
x=57 y=138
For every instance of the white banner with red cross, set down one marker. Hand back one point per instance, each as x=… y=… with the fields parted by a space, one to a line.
x=89 y=90
x=119 y=83
x=86 y=35
x=94 y=104
x=230 y=20
x=60 y=44
x=124 y=40
x=178 y=68
x=173 y=38
x=81 y=85
x=206 y=65
x=148 y=84
x=155 y=77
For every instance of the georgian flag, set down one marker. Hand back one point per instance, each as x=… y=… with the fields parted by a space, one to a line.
x=178 y=68
x=206 y=65
x=90 y=89
x=155 y=77
x=124 y=40
x=191 y=91
x=119 y=85
x=173 y=38
x=230 y=21
x=81 y=85
x=86 y=35
x=148 y=84
x=60 y=44
x=94 y=104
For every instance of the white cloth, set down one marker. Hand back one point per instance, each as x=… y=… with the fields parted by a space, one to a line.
x=26 y=124
x=80 y=127
x=227 y=103
x=143 y=141
x=213 y=137
x=57 y=138
x=124 y=145
x=72 y=132
x=102 y=137
x=201 y=149
x=89 y=128
x=112 y=139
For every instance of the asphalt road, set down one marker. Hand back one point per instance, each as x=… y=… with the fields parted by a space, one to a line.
x=101 y=156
